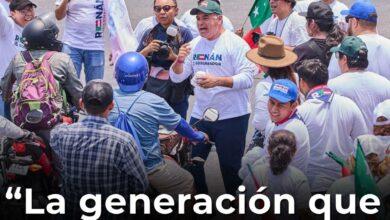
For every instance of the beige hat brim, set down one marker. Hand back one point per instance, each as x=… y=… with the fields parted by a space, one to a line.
x=287 y=60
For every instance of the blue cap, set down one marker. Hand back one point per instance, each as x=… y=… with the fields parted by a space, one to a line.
x=284 y=91
x=364 y=10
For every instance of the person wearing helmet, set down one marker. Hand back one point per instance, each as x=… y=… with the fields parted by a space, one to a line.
x=40 y=38
x=147 y=112
x=13 y=17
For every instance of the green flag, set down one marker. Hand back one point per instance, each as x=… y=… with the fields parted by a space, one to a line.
x=260 y=11
x=364 y=182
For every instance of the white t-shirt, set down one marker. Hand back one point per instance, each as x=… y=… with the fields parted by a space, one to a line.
x=149 y=23
x=296 y=126
x=84 y=24
x=332 y=127
x=10 y=39
x=303 y=5
x=261 y=114
x=292 y=29
x=378 y=56
x=366 y=89
x=190 y=21
x=5 y=4
x=224 y=56
x=292 y=181
x=339 y=19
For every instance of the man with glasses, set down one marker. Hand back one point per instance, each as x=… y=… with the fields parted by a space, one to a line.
x=11 y=27
x=287 y=24
x=223 y=77
x=367 y=89
x=362 y=22
x=160 y=45
x=83 y=34
x=150 y=22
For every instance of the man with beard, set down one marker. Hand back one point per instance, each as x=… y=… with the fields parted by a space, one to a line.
x=362 y=22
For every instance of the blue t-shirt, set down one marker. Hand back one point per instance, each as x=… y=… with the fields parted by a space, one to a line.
x=161 y=35
x=147 y=114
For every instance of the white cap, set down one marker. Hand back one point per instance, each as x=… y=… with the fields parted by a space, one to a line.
x=374 y=144
x=382 y=110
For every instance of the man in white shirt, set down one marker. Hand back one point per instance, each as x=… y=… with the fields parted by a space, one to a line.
x=12 y=22
x=83 y=35
x=333 y=123
x=362 y=22
x=223 y=77
x=190 y=21
x=365 y=88
x=287 y=24
x=337 y=8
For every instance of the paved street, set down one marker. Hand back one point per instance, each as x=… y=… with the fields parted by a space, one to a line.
x=236 y=10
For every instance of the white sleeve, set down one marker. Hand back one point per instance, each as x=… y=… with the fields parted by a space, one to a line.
x=187 y=71
x=333 y=68
x=139 y=30
x=261 y=115
x=299 y=33
x=244 y=69
x=227 y=24
x=58 y=2
x=6 y=23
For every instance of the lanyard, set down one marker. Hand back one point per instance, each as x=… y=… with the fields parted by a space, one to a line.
x=277 y=24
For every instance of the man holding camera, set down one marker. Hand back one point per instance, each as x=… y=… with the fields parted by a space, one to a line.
x=160 y=45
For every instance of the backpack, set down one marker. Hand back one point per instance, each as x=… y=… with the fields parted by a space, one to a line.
x=37 y=102
x=124 y=123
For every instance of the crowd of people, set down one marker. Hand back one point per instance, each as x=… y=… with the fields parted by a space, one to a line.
x=324 y=88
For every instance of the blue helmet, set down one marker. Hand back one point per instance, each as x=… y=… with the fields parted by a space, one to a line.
x=131 y=71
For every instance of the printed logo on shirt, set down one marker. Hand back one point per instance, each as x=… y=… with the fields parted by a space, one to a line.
x=208 y=59
x=19 y=41
x=99 y=19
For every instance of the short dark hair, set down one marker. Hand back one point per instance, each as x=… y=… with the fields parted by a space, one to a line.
x=97 y=96
x=282 y=146
x=360 y=61
x=313 y=72
x=293 y=3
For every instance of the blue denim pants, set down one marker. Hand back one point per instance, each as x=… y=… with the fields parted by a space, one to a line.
x=93 y=61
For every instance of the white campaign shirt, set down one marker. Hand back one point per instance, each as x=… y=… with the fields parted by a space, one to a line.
x=332 y=127
x=10 y=39
x=149 y=23
x=378 y=56
x=84 y=24
x=337 y=7
x=291 y=29
x=296 y=126
x=224 y=56
x=292 y=181
x=366 y=89
x=190 y=21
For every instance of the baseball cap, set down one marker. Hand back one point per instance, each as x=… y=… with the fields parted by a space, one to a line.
x=319 y=11
x=20 y=4
x=98 y=93
x=362 y=10
x=382 y=110
x=350 y=46
x=207 y=7
x=284 y=91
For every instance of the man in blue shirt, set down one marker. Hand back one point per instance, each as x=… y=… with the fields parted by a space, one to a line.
x=147 y=112
x=95 y=157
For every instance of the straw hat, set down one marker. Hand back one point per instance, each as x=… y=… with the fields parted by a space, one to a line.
x=272 y=53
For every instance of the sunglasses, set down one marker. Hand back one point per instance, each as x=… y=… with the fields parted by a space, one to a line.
x=166 y=8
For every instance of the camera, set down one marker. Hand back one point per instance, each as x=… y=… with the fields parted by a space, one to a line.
x=163 y=52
